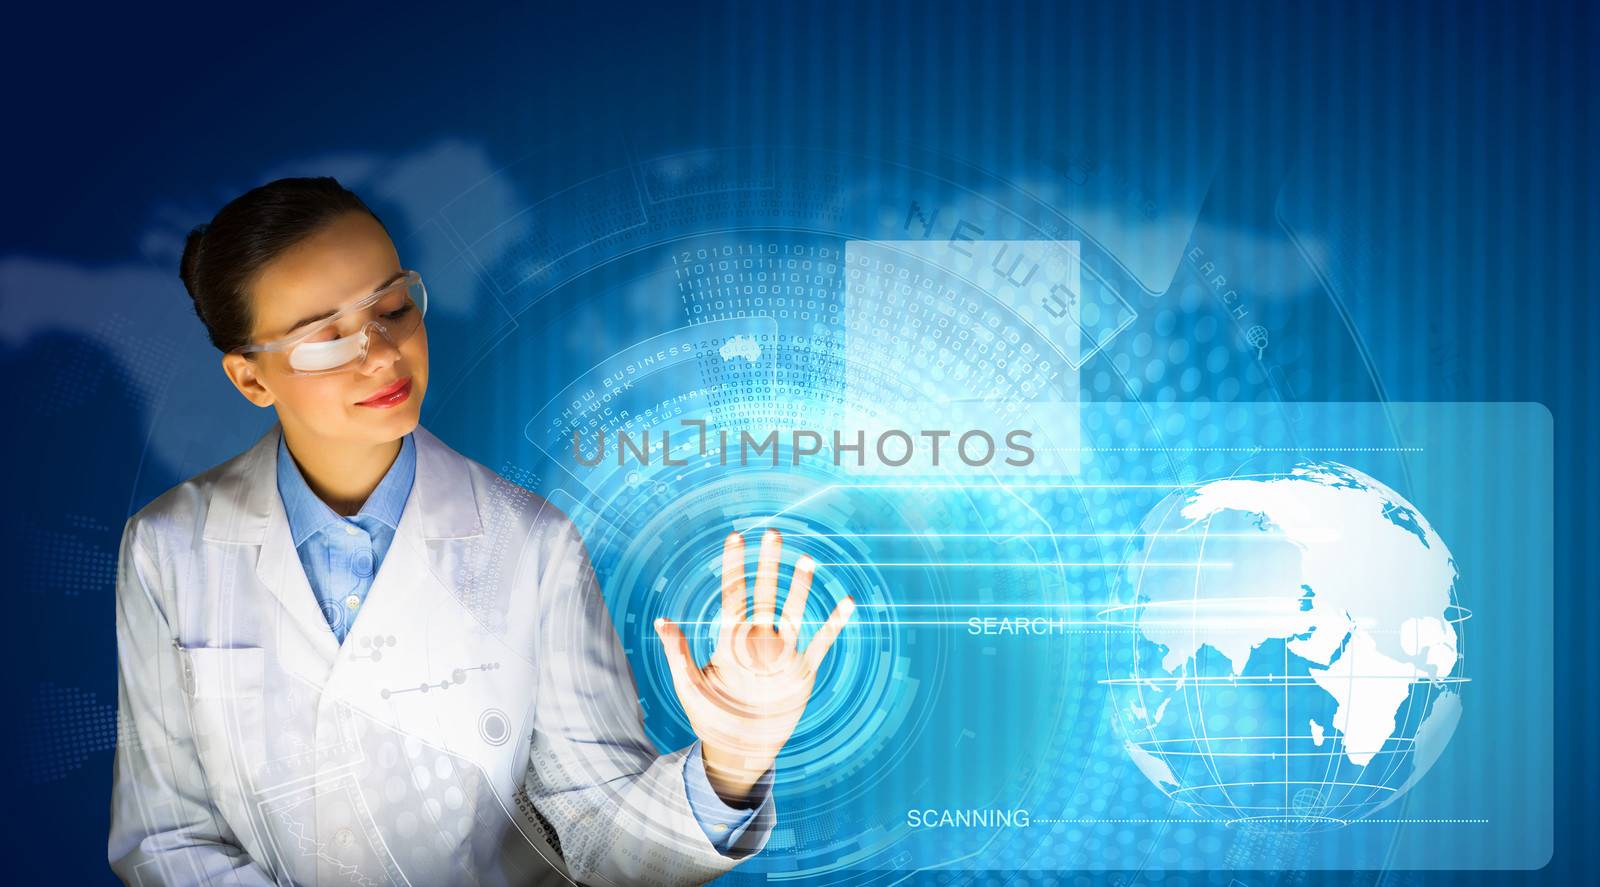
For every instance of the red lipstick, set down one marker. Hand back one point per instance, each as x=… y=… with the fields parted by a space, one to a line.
x=389 y=396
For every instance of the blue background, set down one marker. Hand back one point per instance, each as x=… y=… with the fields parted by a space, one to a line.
x=1437 y=157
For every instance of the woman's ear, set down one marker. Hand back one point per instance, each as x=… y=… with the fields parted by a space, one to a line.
x=245 y=376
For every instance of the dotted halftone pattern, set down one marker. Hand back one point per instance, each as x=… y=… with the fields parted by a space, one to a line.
x=72 y=561
x=64 y=726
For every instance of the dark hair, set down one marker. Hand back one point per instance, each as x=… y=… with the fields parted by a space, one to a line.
x=222 y=258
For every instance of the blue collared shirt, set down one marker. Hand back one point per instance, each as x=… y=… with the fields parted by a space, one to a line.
x=724 y=825
x=341 y=555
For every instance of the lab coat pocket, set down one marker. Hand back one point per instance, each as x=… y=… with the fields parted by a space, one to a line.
x=224 y=689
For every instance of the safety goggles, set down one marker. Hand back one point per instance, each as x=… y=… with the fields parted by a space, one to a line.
x=339 y=341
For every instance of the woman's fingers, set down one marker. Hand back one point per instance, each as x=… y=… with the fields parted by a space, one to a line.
x=733 y=598
x=824 y=638
x=767 y=578
x=794 y=604
x=763 y=613
x=676 y=647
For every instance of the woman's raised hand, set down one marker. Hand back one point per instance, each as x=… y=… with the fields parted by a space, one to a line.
x=744 y=703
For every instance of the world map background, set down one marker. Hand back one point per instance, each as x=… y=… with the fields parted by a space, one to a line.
x=1444 y=173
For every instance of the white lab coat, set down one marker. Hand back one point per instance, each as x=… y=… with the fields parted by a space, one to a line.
x=479 y=725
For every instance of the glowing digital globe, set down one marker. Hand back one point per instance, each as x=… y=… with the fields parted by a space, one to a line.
x=1286 y=649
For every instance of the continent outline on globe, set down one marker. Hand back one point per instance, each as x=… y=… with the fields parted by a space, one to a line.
x=1320 y=583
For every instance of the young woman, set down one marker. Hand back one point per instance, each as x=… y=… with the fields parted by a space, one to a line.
x=350 y=655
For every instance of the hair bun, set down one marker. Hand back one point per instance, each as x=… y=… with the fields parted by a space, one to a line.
x=222 y=257
x=191 y=256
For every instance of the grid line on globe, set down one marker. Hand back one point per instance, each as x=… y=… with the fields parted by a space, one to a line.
x=1290 y=653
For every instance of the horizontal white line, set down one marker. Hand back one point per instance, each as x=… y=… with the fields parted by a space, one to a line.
x=1198 y=537
x=1208 y=565
x=1309 y=738
x=1225 y=785
x=1339 y=752
x=1016 y=486
x=978 y=604
x=1277 y=680
x=1230 y=449
x=1302 y=819
x=956 y=486
x=1099 y=625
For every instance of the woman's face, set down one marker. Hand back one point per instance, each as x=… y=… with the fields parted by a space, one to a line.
x=347 y=259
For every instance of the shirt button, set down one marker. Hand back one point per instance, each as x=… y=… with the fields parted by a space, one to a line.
x=351 y=529
x=352 y=601
x=718 y=827
x=345 y=837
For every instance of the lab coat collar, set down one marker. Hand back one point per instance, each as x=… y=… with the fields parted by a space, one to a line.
x=246 y=509
x=309 y=515
x=245 y=500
